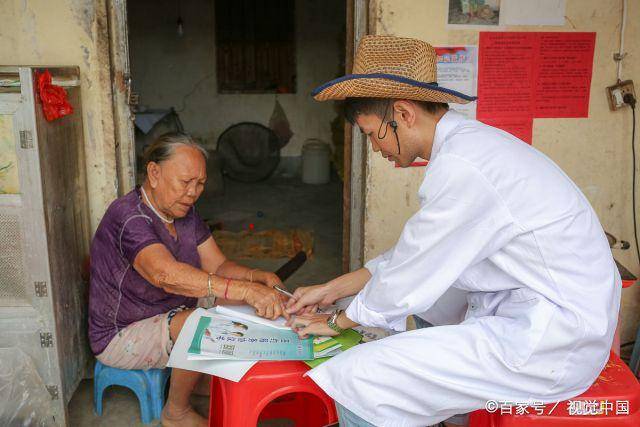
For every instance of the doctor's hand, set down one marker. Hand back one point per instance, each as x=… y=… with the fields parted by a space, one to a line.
x=308 y=299
x=312 y=324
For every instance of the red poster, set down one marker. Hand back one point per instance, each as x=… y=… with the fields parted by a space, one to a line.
x=506 y=74
x=519 y=127
x=563 y=74
x=526 y=74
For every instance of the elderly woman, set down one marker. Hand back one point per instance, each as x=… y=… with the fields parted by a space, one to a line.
x=152 y=257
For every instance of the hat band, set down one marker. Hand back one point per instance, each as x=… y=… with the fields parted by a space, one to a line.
x=396 y=78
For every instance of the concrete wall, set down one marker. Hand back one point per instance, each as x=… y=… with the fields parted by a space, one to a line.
x=595 y=152
x=70 y=32
x=166 y=67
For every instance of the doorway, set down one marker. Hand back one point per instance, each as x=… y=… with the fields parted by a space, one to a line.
x=200 y=66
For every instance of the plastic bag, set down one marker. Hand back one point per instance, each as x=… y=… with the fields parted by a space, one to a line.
x=279 y=124
x=54 y=98
x=24 y=400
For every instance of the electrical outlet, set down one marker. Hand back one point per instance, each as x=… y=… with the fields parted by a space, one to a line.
x=616 y=93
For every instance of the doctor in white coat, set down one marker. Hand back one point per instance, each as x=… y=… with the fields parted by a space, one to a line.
x=499 y=224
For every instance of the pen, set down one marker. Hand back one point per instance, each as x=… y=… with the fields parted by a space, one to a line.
x=284 y=292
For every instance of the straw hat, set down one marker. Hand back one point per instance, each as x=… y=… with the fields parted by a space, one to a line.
x=391 y=67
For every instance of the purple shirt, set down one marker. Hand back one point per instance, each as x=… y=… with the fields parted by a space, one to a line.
x=118 y=295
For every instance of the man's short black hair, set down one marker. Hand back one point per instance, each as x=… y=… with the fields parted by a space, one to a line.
x=353 y=107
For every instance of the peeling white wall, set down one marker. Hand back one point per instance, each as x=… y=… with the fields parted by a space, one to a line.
x=70 y=32
x=595 y=151
x=180 y=71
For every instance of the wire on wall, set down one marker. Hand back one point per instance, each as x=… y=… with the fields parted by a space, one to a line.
x=618 y=57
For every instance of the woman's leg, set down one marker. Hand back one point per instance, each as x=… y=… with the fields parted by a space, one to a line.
x=177 y=411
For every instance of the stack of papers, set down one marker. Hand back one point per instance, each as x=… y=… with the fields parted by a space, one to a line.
x=226 y=337
x=246 y=312
x=226 y=341
x=232 y=370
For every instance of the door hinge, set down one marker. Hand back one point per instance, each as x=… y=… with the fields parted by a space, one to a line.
x=53 y=391
x=46 y=339
x=26 y=139
x=41 y=289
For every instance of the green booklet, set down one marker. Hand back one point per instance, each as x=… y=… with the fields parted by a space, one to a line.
x=345 y=340
x=325 y=346
x=221 y=337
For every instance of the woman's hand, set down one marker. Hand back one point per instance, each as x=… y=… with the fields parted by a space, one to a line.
x=307 y=299
x=267 y=278
x=312 y=324
x=266 y=301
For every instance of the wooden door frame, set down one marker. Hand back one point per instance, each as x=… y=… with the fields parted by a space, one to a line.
x=121 y=91
x=355 y=150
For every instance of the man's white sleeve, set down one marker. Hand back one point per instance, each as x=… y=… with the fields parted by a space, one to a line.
x=372 y=264
x=462 y=220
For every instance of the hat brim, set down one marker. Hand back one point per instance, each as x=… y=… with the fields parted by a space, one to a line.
x=382 y=85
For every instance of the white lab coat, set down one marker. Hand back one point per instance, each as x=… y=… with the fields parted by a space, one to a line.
x=501 y=224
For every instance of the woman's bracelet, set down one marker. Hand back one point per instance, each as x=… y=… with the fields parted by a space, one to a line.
x=251 y=274
x=226 y=289
x=209 y=290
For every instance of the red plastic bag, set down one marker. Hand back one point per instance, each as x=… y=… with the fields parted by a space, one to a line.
x=54 y=98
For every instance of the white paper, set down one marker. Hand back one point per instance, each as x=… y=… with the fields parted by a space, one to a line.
x=527 y=12
x=373 y=334
x=246 y=312
x=205 y=357
x=458 y=70
x=232 y=370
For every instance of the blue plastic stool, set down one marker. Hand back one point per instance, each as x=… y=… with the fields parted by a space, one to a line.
x=148 y=385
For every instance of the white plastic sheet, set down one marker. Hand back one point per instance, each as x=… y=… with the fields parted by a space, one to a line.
x=24 y=399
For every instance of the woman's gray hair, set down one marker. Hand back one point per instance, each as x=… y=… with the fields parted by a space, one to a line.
x=163 y=148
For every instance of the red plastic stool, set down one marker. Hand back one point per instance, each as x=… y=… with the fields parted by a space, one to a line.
x=615 y=385
x=270 y=390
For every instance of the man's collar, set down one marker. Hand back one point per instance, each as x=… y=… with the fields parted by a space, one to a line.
x=444 y=127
